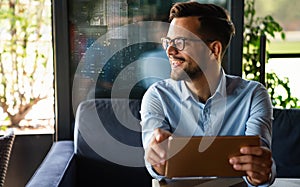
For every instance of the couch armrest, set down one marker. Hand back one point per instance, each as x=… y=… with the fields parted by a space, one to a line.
x=57 y=168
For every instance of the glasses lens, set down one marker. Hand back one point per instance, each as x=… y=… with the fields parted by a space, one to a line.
x=165 y=43
x=179 y=43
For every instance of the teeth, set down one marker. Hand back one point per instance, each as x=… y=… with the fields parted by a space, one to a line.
x=176 y=63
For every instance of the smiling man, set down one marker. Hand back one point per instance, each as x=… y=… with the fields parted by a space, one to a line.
x=200 y=99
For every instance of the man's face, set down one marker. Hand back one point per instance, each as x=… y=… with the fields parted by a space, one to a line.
x=190 y=62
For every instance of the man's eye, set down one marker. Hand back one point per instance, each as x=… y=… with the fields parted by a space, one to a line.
x=179 y=42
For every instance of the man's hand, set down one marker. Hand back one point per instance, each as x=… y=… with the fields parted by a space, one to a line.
x=256 y=161
x=155 y=153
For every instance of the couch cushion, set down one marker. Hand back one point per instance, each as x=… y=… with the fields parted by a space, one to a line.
x=107 y=143
x=110 y=127
x=285 y=142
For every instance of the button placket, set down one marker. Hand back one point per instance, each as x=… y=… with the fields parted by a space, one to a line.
x=206 y=119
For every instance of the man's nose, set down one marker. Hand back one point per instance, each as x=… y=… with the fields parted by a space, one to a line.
x=171 y=50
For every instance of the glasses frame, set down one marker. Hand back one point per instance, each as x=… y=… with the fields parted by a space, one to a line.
x=169 y=40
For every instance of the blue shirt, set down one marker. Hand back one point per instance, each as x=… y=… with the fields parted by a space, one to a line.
x=238 y=107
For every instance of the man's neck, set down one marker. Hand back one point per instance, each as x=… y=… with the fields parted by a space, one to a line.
x=203 y=87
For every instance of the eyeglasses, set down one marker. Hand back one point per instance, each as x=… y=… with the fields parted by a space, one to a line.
x=178 y=43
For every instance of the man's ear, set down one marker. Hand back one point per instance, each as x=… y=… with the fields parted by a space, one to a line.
x=216 y=49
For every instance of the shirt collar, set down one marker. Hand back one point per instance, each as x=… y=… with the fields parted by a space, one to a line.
x=221 y=89
x=186 y=93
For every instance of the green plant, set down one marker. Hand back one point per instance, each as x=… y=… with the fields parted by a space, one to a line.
x=254 y=29
x=24 y=55
x=3 y=128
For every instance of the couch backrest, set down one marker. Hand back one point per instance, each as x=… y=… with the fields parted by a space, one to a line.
x=286 y=142
x=107 y=140
x=108 y=131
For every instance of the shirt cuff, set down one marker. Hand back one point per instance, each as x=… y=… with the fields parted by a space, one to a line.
x=153 y=173
x=271 y=178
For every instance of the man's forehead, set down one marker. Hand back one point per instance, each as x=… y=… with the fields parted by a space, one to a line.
x=186 y=27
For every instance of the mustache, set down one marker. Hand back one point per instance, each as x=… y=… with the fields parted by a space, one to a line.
x=176 y=58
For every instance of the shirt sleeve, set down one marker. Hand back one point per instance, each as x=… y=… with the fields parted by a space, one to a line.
x=260 y=117
x=152 y=117
x=260 y=123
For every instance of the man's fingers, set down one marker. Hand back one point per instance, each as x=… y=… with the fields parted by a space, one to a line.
x=257 y=168
x=156 y=162
x=156 y=152
x=250 y=159
x=243 y=160
x=251 y=151
x=154 y=159
x=159 y=149
x=257 y=151
x=160 y=135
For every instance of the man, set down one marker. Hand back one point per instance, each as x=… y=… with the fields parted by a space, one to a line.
x=200 y=99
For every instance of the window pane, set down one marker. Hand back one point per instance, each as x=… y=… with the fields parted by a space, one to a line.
x=291 y=71
x=26 y=71
x=288 y=16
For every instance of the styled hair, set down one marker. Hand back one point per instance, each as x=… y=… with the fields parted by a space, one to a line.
x=215 y=23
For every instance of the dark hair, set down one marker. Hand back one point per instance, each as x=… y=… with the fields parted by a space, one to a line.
x=215 y=23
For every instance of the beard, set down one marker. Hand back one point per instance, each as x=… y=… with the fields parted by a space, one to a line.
x=186 y=74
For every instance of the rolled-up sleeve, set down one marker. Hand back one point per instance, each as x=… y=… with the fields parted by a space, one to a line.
x=260 y=123
x=152 y=117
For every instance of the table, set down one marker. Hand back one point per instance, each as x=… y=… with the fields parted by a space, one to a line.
x=221 y=182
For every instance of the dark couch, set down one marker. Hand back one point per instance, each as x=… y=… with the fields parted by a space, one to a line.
x=286 y=142
x=107 y=147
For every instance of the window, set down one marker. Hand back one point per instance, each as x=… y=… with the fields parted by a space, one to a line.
x=284 y=54
x=26 y=71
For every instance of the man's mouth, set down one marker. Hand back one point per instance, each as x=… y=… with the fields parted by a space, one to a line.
x=176 y=63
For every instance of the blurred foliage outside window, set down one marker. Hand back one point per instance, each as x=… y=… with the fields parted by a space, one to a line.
x=26 y=64
x=288 y=16
x=254 y=28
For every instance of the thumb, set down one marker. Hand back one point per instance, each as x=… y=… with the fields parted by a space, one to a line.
x=161 y=135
